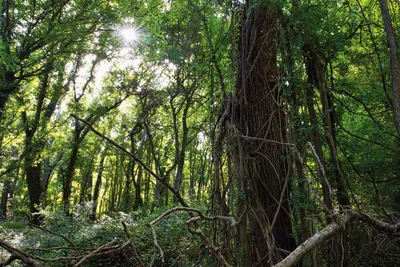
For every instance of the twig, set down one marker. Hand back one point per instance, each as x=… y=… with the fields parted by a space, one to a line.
x=84 y=259
x=157 y=246
x=231 y=221
x=34 y=261
x=213 y=249
x=321 y=166
x=58 y=248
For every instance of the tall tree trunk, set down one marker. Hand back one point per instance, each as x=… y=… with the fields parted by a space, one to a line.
x=295 y=118
x=4 y=199
x=33 y=177
x=7 y=76
x=136 y=179
x=315 y=71
x=180 y=145
x=87 y=180
x=193 y=161
x=96 y=191
x=79 y=134
x=259 y=137
x=317 y=143
x=114 y=185
x=394 y=61
x=48 y=169
x=33 y=171
x=32 y=127
x=138 y=202
x=395 y=71
x=67 y=185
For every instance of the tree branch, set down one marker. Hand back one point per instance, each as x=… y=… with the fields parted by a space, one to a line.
x=333 y=229
x=164 y=183
x=50 y=232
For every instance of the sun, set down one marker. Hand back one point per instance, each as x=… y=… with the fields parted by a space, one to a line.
x=130 y=34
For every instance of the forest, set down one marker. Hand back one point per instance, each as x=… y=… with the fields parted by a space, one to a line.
x=200 y=133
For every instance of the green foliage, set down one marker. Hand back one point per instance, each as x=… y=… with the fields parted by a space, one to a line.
x=68 y=57
x=180 y=247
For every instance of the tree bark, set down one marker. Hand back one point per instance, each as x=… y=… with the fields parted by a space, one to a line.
x=259 y=136
x=7 y=76
x=138 y=202
x=4 y=199
x=317 y=139
x=181 y=144
x=96 y=191
x=315 y=72
x=394 y=61
x=67 y=184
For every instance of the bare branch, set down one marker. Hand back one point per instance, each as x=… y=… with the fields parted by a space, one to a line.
x=331 y=230
x=84 y=259
x=19 y=254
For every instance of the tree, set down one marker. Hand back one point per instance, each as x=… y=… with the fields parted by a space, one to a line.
x=394 y=61
x=266 y=123
x=259 y=139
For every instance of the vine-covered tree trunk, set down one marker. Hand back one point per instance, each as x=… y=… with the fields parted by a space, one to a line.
x=258 y=138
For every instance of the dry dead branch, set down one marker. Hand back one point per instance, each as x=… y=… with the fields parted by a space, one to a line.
x=319 y=238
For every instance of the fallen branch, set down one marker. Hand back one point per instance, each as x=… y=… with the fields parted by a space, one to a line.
x=333 y=229
x=20 y=255
x=106 y=249
x=35 y=261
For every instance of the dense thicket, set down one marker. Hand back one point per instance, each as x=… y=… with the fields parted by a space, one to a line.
x=254 y=125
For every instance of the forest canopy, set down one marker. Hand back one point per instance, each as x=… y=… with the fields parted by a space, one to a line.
x=200 y=133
